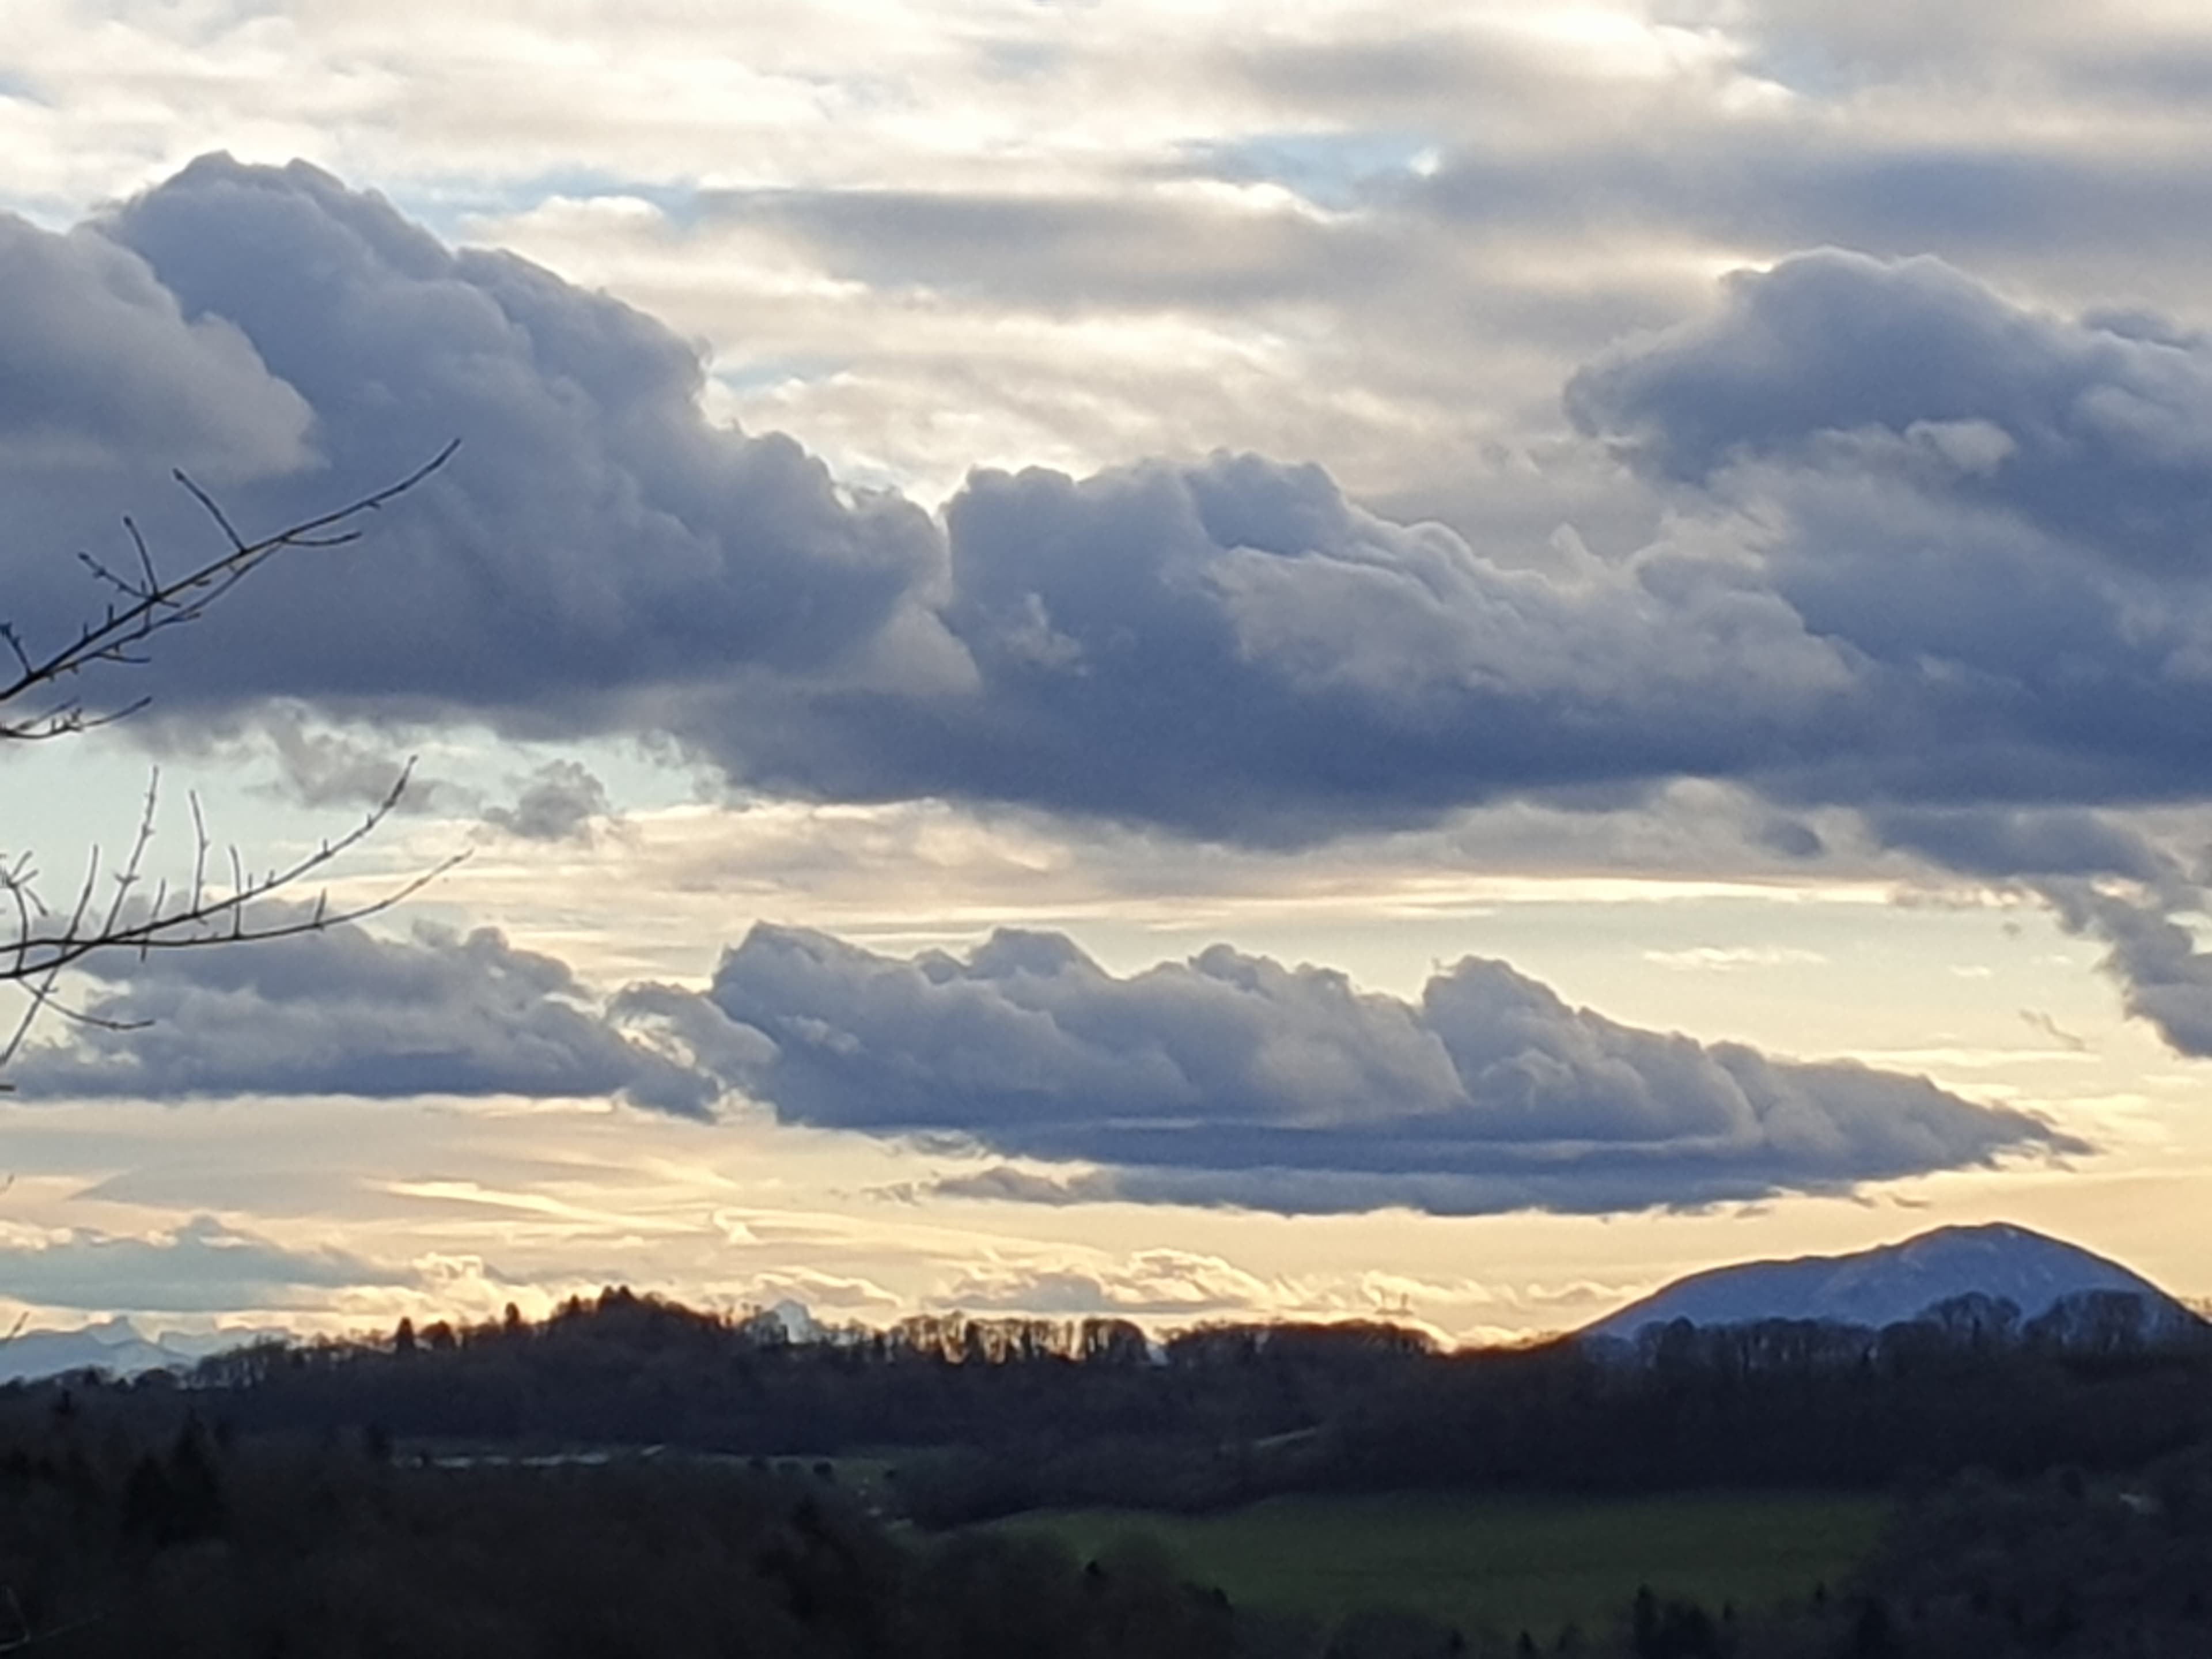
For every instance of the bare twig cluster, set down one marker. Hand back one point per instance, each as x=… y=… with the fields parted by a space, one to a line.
x=144 y=602
x=111 y=907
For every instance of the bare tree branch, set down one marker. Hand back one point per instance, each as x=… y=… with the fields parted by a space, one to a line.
x=108 y=910
x=144 y=602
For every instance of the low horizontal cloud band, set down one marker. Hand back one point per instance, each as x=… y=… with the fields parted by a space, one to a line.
x=344 y=1011
x=1227 y=1079
x=1234 y=1079
x=202 y=1265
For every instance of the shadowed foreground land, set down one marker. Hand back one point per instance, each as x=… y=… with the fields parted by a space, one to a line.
x=635 y=1480
x=1501 y=1563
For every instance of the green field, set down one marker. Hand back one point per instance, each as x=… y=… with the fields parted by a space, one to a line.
x=1501 y=1564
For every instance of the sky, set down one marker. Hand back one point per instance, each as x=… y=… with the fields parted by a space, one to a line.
x=1194 y=661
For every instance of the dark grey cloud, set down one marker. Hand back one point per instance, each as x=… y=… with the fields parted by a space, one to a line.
x=1933 y=550
x=603 y=542
x=1235 y=649
x=333 y=766
x=2089 y=430
x=2164 y=975
x=1965 y=202
x=202 y=1266
x=1999 y=513
x=2010 y=843
x=100 y=366
x=1233 y=1080
x=343 y=1011
x=1005 y=1183
x=557 y=802
x=336 y=769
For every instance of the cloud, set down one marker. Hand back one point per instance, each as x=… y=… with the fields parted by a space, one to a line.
x=1640 y=147
x=1004 y=1183
x=2133 y=890
x=2164 y=977
x=602 y=541
x=2091 y=430
x=1065 y=255
x=336 y=768
x=1234 y=648
x=2072 y=1043
x=1934 y=548
x=1161 y=1281
x=1054 y=642
x=1172 y=1287
x=849 y=1295
x=558 y=802
x=2003 y=842
x=1731 y=959
x=1989 y=510
x=99 y=365
x=343 y=1011
x=202 y=1266
x=1232 y=1080
x=1868 y=451
x=1891 y=40
x=2002 y=511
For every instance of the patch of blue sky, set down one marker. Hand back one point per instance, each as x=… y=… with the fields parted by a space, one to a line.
x=1021 y=60
x=454 y=208
x=748 y=377
x=1335 y=171
x=1805 y=65
x=67 y=799
x=859 y=475
x=53 y=213
x=864 y=93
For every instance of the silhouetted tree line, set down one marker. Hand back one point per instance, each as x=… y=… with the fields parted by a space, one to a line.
x=1787 y=1402
x=634 y=1369
x=987 y=1417
x=275 y=1503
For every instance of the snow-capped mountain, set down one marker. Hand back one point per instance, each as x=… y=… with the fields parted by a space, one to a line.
x=1894 y=1282
x=798 y=1321
x=115 y=1347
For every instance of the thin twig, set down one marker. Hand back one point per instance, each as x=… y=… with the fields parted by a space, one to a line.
x=149 y=603
x=45 y=942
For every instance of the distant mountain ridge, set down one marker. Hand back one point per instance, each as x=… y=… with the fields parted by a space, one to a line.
x=1891 y=1283
x=116 y=1346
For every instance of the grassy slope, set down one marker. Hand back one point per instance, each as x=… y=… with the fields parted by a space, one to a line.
x=1502 y=1563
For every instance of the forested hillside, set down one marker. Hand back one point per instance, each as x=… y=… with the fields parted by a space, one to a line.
x=632 y=1477
x=987 y=1416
